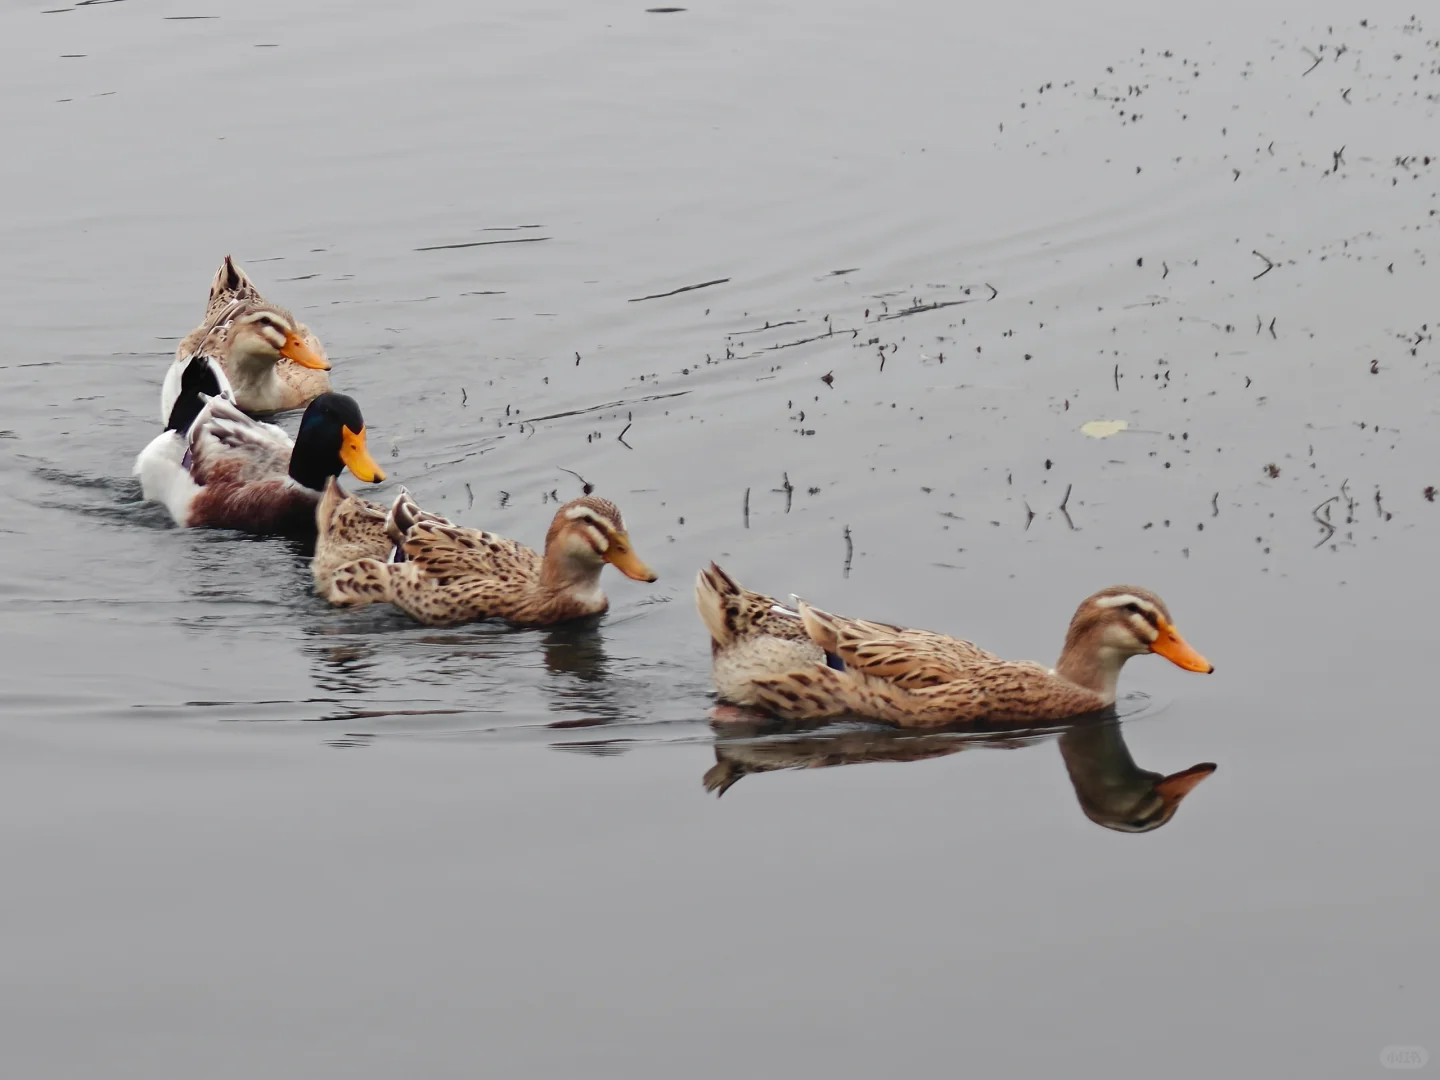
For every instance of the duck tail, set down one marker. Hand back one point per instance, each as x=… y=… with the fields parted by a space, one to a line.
x=364 y=581
x=719 y=599
x=330 y=500
x=232 y=281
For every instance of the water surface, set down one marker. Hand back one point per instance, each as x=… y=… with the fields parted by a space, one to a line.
x=246 y=834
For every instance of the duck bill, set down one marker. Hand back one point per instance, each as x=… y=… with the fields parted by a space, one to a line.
x=357 y=458
x=1177 y=785
x=620 y=556
x=1177 y=650
x=298 y=351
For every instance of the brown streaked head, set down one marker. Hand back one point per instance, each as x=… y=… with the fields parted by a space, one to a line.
x=274 y=333
x=591 y=529
x=1133 y=621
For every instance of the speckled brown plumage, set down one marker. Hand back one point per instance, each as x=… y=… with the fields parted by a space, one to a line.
x=447 y=574
x=347 y=528
x=917 y=678
x=233 y=299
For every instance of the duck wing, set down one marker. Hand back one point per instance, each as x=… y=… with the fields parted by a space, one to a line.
x=226 y=443
x=446 y=551
x=912 y=659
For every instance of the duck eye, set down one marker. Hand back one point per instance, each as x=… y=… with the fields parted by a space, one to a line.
x=1134 y=609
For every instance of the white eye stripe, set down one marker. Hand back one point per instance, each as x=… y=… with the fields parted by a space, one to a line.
x=1124 y=600
x=595 y=536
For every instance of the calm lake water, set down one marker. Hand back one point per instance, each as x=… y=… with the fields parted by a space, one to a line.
x=246 y=835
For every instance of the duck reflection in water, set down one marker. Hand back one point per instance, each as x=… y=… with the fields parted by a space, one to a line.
x=359 y=666
x=1112 y=790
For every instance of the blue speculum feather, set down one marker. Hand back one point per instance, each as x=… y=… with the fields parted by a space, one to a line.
x=833 y=661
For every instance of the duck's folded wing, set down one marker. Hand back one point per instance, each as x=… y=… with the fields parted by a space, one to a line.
x=448 y=551
x=225 y=440
x=905 y=657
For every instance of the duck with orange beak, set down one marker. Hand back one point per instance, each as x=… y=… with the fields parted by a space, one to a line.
x=235 y=472
x=802 y=663
x=273 y=361
x=439 y=573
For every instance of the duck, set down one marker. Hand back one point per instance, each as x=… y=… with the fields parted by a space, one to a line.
x=441 y=574
x=274 y=362
x=236 y=472
x=803 y=663
x=349 y=528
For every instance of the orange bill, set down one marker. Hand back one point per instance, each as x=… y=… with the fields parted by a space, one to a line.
x=620 y=556
x=1178 y=651
x=296 y=349
x=1177 y=785
x=357 y=458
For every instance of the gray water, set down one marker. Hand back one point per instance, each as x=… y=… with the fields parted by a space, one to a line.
x=247 y=835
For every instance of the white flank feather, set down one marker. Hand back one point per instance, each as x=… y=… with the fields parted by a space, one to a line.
x=164 y=477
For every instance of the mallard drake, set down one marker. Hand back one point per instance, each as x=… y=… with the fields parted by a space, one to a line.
x=273 y=361
x=349 y=528
x=807 y=664
x=234 y=472
x=442 y=574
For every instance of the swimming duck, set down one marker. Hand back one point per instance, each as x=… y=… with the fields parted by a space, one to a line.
x=442 y=574
x=806 y=663
x=273 y=361
x=234 y=472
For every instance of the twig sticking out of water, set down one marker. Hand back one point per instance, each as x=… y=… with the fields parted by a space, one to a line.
x=585 y=485
x=1324 y=522
x=747 y=508
x=788 y=489
x=1215 y=505
x=469 y=496
x=1313 y=66
x=1029 y=515
x=621 y=436
x=463 y=397
x=1269 y=265
x=1117 y=378
x=1065 y=502
x=849 y=550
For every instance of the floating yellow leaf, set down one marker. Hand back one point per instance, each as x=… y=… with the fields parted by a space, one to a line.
x=1103 y=429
